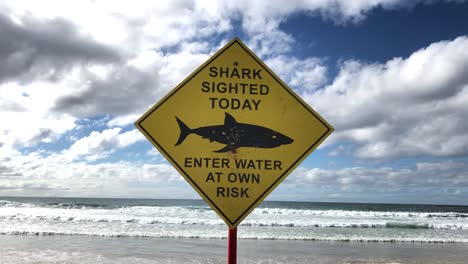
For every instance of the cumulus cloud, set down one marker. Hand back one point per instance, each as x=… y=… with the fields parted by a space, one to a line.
x=135 y=67
x=88 y=58
x=122 y=120
x=39 y=58
x=447 y=174
x=39 y=175
x=117 y=93
x=404 y=107
x=99 y=145
x=34 y=49
x=339 y=11
x=130 y=88
x=307 y=74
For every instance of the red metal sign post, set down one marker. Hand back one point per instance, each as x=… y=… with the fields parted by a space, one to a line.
x=232 y=246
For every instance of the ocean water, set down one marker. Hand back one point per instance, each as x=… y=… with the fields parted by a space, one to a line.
x=193 y=219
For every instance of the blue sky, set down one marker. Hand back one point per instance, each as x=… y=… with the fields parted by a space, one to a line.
x=390 y=76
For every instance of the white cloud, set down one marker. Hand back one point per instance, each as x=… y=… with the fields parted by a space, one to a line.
x=148 y=25
x=130 y=89
x=122 y=120
x=38 y=49
x=90 y=58
x=152 y=46
x=308 y=74
x=99 y=145
x=405 y=107
x=36 y=174
x=142 y=24
x=442 y=175
x=337 y=10
x=26 y=116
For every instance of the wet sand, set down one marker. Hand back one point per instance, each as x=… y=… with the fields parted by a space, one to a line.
x=17 y=249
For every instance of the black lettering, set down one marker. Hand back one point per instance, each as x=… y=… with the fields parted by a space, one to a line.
x=205 y=87
x=244 y=177
x=244 y=193
x=210 y=177
x=246 y=105
x=220 y=192
x=251 y=165
x=253 y=88
x=235 y=73
x=243 y=85
x=225 y=163
x=258 y=164
x=234 y=192
x=232 y=177
x=235 y=103
x=256 y=74
x=213 y=101
x=221 y=87
x=233 y=88
x=256 y=103
x=264 y=89
x=240 y=163
x=223 y=103
x=248 y=177
x=213 y=72
x=216 y=162
x=223 y=71
x=277 y=165
x=207 y=162
x=256 y=178
x=246 y=73
x=219 y=176
x=197 y=163
x=188 y=162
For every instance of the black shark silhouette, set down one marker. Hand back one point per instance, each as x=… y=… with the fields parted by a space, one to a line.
x=236 y=135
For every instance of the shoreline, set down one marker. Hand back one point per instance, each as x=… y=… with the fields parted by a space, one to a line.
x=344 y=240
x=16 y=249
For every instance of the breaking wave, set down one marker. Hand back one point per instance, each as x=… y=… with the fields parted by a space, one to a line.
x=199 y=221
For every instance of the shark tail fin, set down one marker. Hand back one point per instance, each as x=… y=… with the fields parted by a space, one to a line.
x=184 y=131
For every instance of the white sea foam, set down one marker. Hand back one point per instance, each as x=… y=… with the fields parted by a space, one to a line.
x=208 y=235
x=201 y=222
x=180 y=215
x=348 y=213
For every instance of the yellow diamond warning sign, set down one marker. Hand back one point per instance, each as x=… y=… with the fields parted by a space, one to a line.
x=234 y=130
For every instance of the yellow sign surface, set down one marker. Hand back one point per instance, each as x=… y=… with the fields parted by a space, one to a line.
x=234 y=130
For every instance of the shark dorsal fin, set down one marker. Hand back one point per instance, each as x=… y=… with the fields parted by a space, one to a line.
x=229 y=121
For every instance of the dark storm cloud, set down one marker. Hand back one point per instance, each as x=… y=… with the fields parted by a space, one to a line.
x=124 y=90
x=44 y=49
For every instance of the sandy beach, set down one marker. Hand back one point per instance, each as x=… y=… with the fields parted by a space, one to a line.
x=16 y=249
